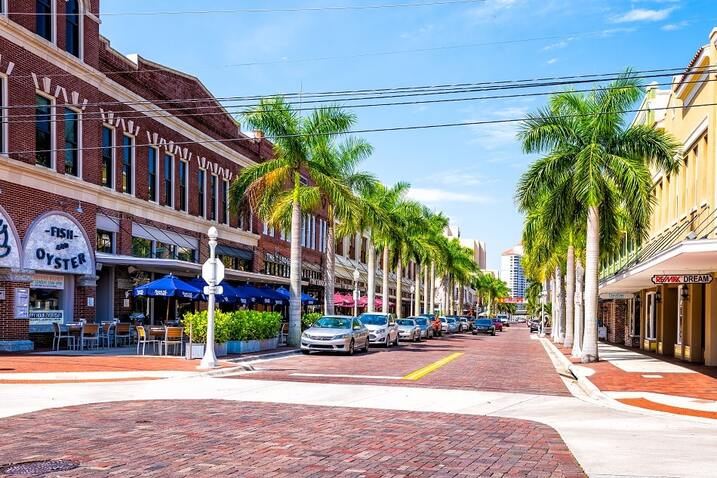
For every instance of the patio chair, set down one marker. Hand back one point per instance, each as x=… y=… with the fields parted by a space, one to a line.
x=143 y=339
x=106 y=333
x=59 y=336
x=173 y=336
x=284 y=333
x=122 y=333
x=90 y=333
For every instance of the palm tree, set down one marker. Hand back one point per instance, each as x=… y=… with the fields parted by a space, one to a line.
x=585 y=137
x=275 y=186
x=338 y=163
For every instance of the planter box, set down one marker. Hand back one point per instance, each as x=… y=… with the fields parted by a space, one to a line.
x=220 y=350
x=248 y=346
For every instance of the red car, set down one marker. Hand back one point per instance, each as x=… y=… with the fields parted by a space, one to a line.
x=435 y=323
x=498 y=325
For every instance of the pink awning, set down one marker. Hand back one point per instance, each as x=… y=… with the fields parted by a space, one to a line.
x=341 y=300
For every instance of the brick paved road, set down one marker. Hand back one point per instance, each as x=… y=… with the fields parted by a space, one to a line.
x=219 y=438
x=508 y=362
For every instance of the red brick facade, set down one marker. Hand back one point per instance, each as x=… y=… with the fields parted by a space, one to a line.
x=160 y=109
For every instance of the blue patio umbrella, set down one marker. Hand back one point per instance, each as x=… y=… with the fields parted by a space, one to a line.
x=228 y=296
x=262 y=294
x=168 y=286
x=306 y=299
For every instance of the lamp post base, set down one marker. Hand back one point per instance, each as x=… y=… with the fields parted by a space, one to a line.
x=209 y=361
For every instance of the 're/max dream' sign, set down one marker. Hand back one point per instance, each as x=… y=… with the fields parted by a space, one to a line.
x=682 y=279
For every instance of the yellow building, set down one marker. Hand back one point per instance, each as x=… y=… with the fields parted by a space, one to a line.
x=661 y=295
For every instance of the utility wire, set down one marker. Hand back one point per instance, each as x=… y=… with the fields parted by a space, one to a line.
x=363 y=131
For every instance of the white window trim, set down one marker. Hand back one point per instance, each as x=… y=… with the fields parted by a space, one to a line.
x=53 y=23
x=225 y=197
x=215 y=179
x=133 y=162
x=113 y=150
x=53 y=130
x=651 y=316
x=81 y=26
x=78 y=112
x=203 y=206
x=185 y=206
x=157 y=182
x=174 y=184
x=3 y=5
x=4 y=104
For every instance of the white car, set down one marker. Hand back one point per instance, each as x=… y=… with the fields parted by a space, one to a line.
x=335 y=333
x=382 y=328
x=409 y=330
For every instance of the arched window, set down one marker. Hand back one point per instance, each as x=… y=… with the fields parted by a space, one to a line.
x=43 y=14
x=72 y=27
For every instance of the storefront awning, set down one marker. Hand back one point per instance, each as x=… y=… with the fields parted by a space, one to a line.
x=687 y=257
x=166 y=266
x=223 y=250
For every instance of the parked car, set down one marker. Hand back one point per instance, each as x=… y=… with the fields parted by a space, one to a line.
x=498 y=325
x=445 y=328
x=504 y=318
x=425 y=325
x=484 y=326
x=534 y=325
x=436 y=324
x=452 y=325
x=471 y=320
x=465 y=324
x=382 y=328
x=408 y=329
x=335 y=333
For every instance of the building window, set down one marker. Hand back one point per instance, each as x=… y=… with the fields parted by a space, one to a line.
x=72 y=31
x=152 y=173
x=141 y=247
x=44 y=16
x=213 y=198
x=72 y=141
x=163 y=250
x=186 y=254
x=108 y=141
x=169 y=180
x=105 y=241
x=3 y=114
x=225 y=201
x=183 y=167
x=43 y=131
x=127 y=164
x=202 y=181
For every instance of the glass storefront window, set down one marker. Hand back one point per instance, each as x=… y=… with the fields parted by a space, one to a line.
x=105 y=241
x=163 y=250
x=46 y=299
x=141 y=247
x=186 y=254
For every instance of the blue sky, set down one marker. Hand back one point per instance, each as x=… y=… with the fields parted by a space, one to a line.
x=467 y=172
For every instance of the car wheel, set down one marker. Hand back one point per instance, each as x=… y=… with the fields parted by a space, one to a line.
x=305 y=352
x=365 y=348
x=388 y=341
x=351 y=348
x=493 y=333
x=395 y=342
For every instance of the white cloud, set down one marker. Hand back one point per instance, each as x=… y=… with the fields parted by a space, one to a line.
x=434 y=195
x=552 y=61
x=675 y=26
x=643 y=15
x=560 y=44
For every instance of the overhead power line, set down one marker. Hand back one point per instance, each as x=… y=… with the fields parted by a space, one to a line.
x=365 y=130
x=326 y=8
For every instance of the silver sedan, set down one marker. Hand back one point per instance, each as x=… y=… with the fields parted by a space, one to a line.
x=408 y=329
x=335 y=333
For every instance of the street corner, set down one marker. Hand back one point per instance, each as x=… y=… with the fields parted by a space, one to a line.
x=220 y=438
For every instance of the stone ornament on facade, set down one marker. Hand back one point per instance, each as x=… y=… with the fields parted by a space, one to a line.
x=55 y=242
x=9 y=243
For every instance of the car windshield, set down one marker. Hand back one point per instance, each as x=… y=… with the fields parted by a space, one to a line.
x=443 y=319
x=484 y=322
x=333 y=323
x=422 y=321
x=451 y=319
x=373 y=319
x=405 y=322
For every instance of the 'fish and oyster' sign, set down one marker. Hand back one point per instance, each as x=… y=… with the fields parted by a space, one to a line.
x=57 y=244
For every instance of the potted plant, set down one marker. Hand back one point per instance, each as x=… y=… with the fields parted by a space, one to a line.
x=253 y=331
x=195 y=325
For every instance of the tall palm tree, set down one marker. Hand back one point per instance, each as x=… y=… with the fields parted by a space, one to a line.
x=275 y=186
x=338 y=162
x=585 y=136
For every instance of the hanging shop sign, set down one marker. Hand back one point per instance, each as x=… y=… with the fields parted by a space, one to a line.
x=616 y=296
x=9 y=250
x=682 y=279
x=47 y=281
x=57 y=244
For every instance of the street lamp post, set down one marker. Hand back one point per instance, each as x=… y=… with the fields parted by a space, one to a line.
x=413 y=289
x=543 y=296
x=357 y=274
x=212 y=274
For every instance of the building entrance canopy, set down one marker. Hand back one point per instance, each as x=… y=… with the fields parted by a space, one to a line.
x=687 y=257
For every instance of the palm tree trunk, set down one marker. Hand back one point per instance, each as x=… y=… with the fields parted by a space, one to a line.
x=560 y=306
x=371 y=280
x=570 y=298
x=399 y=288
x=294 y=338
x=330 y=264
x=385 y=280
x=578 y=342
x=592 y=255
x=553 y=311
x=426 y=292
x=460 y=298
x=432 y=302
x=417 y=287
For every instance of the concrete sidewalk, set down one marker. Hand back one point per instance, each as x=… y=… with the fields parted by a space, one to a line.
x=646 y=381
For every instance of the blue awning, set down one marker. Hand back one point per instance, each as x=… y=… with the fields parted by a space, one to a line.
x=168 y=286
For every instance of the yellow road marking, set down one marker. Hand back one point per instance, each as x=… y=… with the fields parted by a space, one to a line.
x=422 y=372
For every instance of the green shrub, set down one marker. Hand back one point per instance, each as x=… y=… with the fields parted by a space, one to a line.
x=254 y=325
x=307 y=320
x=198 y=323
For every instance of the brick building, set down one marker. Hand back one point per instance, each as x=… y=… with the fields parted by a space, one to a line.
x=112 y=168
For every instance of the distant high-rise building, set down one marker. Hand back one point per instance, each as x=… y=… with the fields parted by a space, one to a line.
x=511 y=270
x=478 y=248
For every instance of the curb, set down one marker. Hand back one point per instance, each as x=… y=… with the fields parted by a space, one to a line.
x=246 y=364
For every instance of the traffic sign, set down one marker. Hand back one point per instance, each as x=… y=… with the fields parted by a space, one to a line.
x=213 y=271
x=217 y=289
